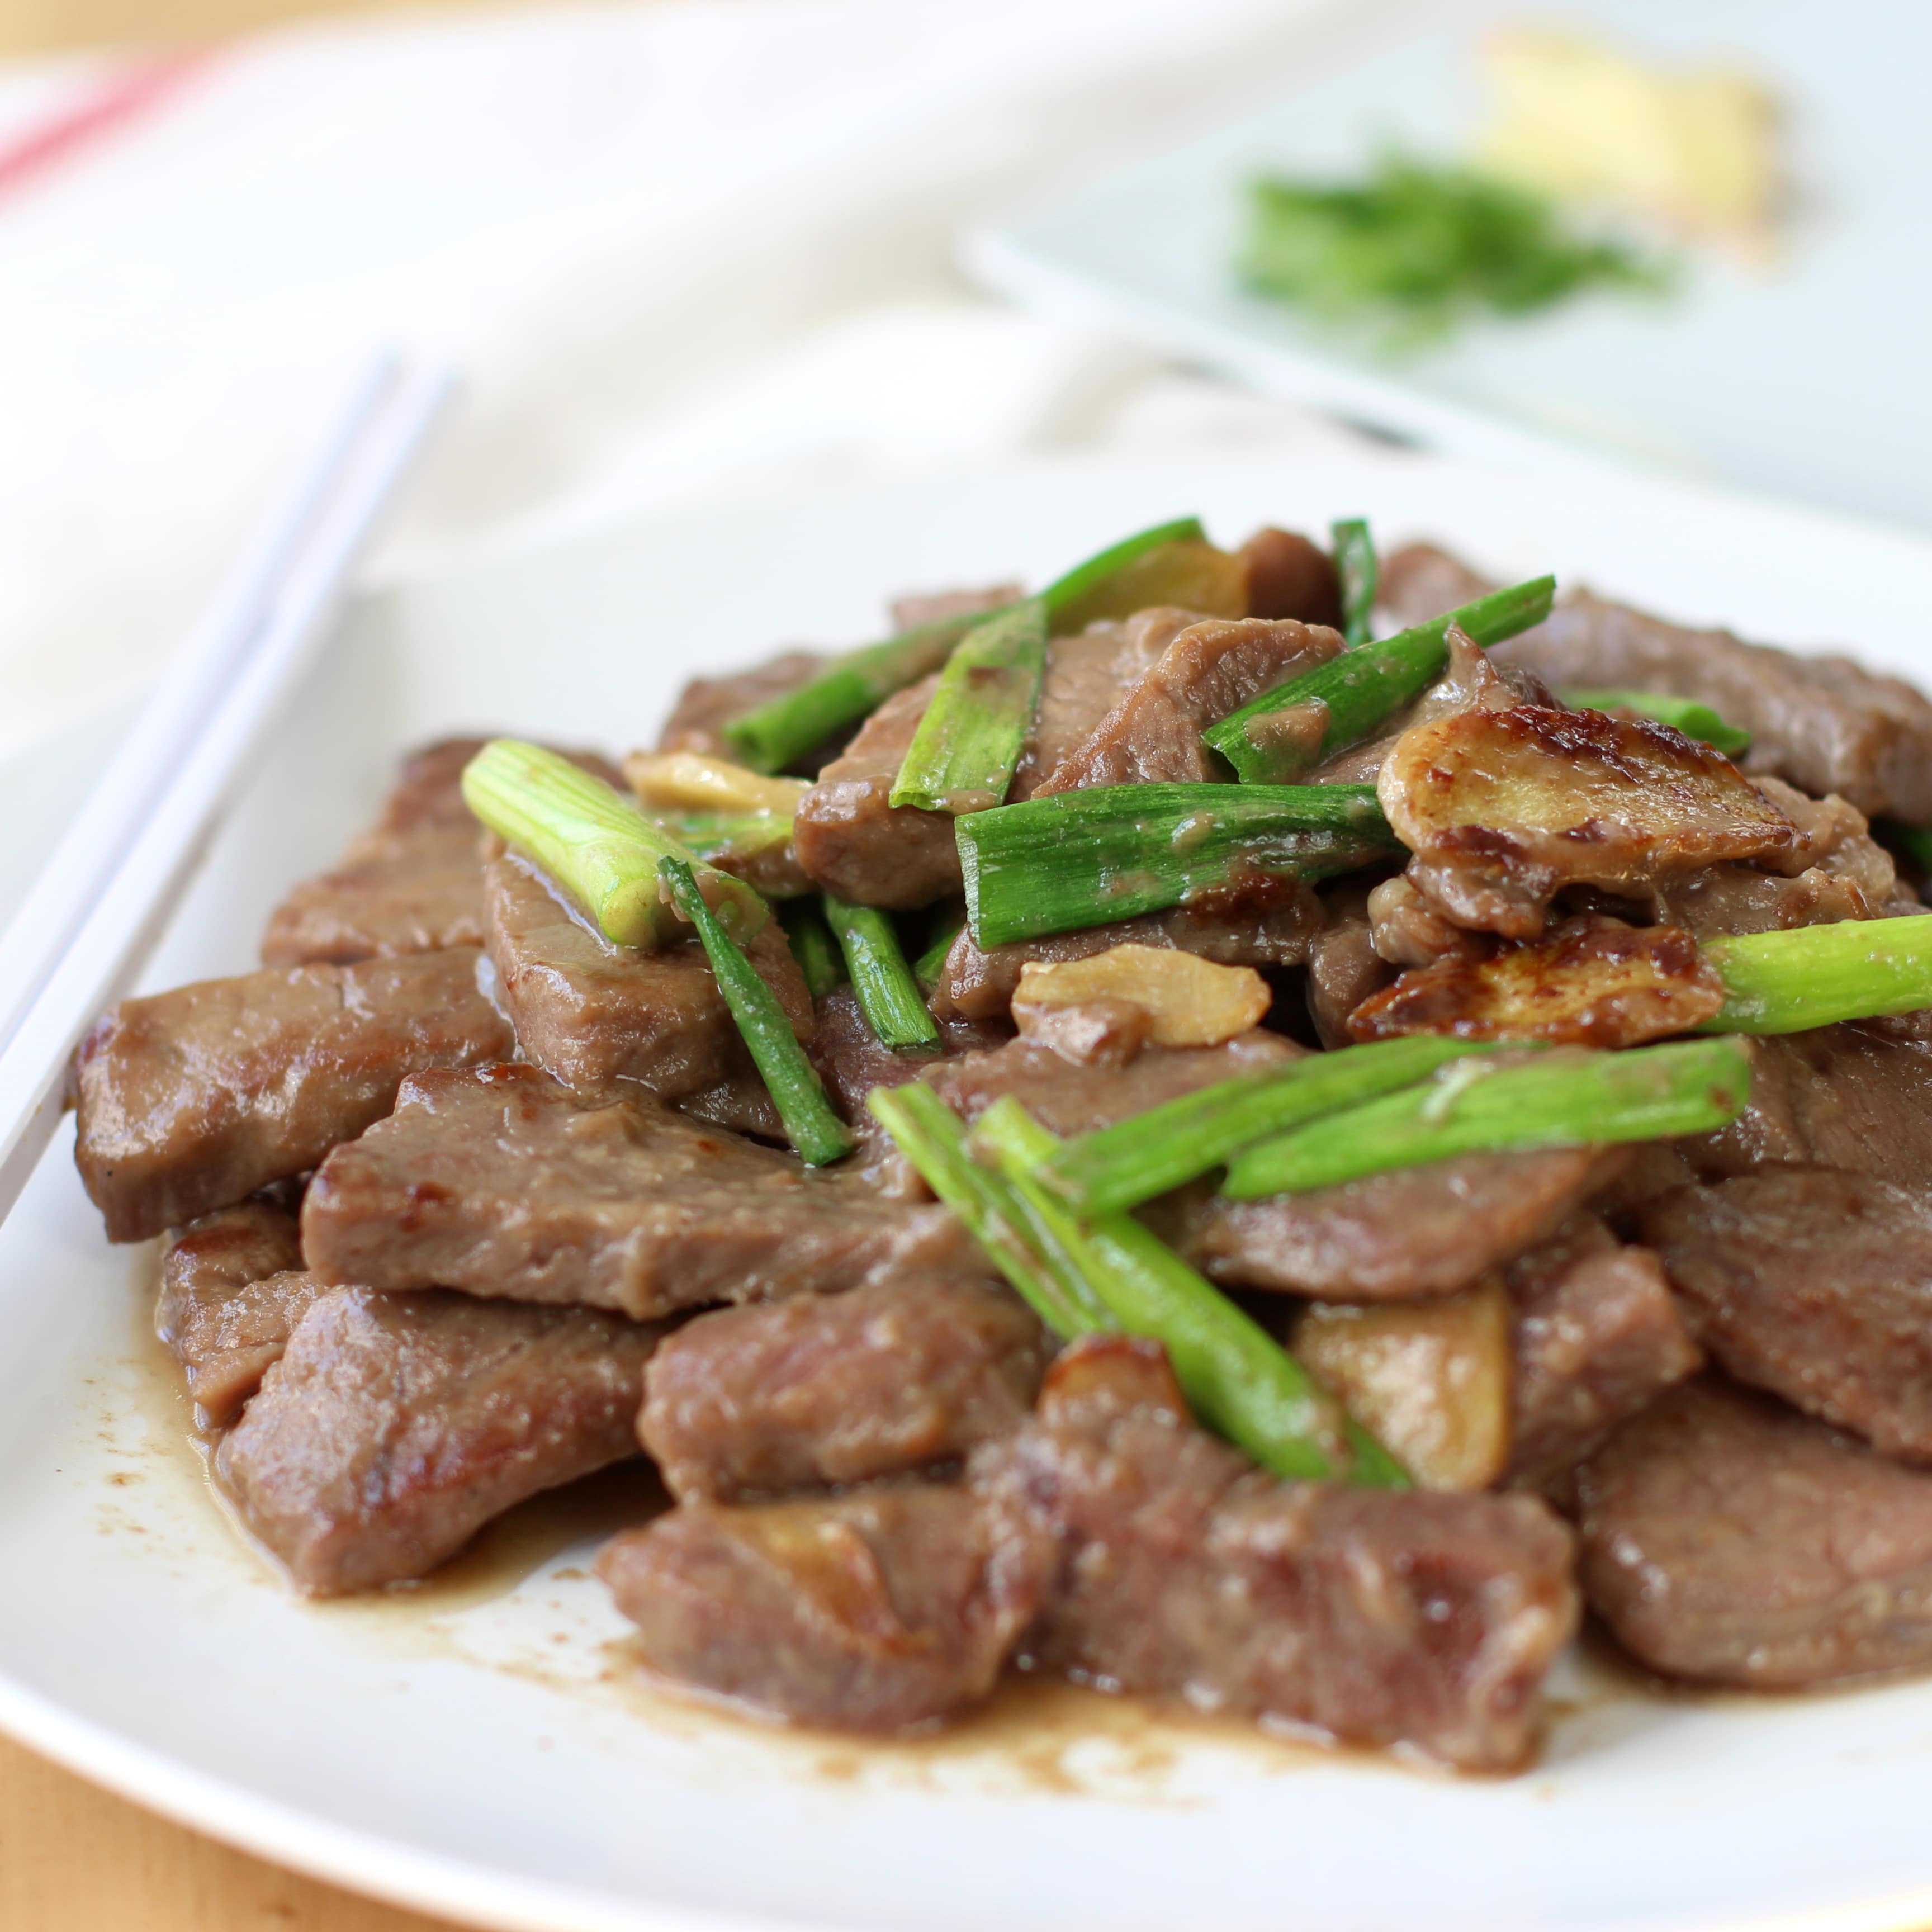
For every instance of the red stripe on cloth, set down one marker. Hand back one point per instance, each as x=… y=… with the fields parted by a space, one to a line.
x=64 y=135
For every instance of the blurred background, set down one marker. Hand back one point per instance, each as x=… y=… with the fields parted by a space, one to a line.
x=50 y=26
x=678 y=249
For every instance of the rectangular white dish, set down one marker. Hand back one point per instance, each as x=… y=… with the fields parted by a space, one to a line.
x=480 y=1752
x=1801 y=375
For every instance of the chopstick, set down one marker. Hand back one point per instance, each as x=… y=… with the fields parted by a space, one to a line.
x=89 y=924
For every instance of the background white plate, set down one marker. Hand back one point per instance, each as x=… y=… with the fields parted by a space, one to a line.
x=483 y=1755
x=1804 y=376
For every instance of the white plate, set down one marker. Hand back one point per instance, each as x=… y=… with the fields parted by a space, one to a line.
x=482 y=1755
x=1804 y=377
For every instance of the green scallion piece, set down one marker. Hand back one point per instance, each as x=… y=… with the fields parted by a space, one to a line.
x=1355 y=565
x=1301 y=724
x=818 y=1134
x=888 y=995
x=971 y=735
x=706 y=832
x=1238 y=1378
x=928 y=1133
x=1561 y=1100
x=1815 y=976
x=782 y=729
x=596 y=845
x=813 y=947
x=1118 y=1168
x=1066 y=590
x=1685 y=714
x=1087 y=858
x=775 y=734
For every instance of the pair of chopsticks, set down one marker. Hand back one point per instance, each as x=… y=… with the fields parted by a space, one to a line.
x=88 y=925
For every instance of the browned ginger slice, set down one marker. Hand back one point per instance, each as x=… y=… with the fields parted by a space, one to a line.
x=1593 y=985
x=1503 y=809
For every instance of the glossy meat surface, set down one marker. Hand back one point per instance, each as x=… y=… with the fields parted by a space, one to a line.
x=498 y=1183
x=595 y=1016
x=232 y=1291
x=395 y=1426
x=877 y=1612
x=1815 y=1284
x=1152 y=733
x=1597 y=1338
x=823 y=1391
x=1728 y=1539
x=1375 y=1617
x=1418 y=1231
x=193 y=1099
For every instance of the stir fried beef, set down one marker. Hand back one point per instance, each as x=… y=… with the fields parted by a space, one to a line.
x=850 y=839
x=395 y=1427
x=876 y=1611
x=498 y=1183
x=1597 y=1339
x=1344 y=968
x=1122 y=1545
x=409 y=883
x=1272 y=928
x=1727 y=1539
x=825 y=1390
x=741 y=1103
x=1502 y=809
x=1592 y=983
x=231 y=1248
x=1426 y=1230
x=1418 y=1231
x=552 y=1209
x=412 y=882
x=194 y=1100
x=1096 y=1032
x=592 y=1015
x=1288 y=576
x=851 y=1060
x=231 y=1290
x=1842 y=1096
x=1823 y=723
x=1374 y=1616
x=1816 y=1285
x=1152 y=734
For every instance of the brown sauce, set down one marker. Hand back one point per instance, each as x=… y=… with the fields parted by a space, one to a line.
x=1036 y=1735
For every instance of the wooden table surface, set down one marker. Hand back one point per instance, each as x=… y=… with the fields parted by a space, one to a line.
x=74 y=1859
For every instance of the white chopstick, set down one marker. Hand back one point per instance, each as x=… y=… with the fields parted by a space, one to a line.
x=87 y=927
